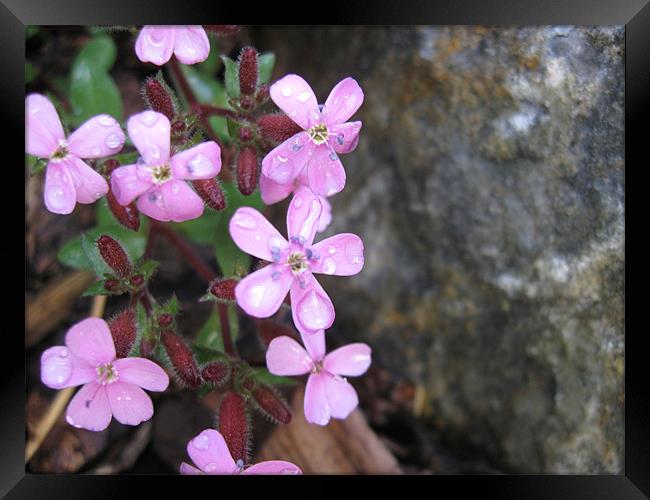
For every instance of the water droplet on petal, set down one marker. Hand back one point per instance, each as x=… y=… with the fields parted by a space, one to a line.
x=303 y=96
x=297 y=201
x=155 y=38
x=98 y=195
x=331 y=249
x=244 y=220
x=97 y=151
x=106 y=120
x=329 y=266
x=154 y=152
x=201 y=442
x=56 y=198
x=34 y=108
x=333 y=156
x=64 y=353
x=149 y=118
x=199 y=165
x=113 y=141
x=140 y=162
x=340 y=138
x=287 y=91
x=211 y=467
x=175 y=188
x=297 y=145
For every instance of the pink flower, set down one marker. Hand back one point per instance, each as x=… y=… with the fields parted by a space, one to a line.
x=156 y=44
x=68 y=179
x=157 y=179
x=110 y=386
x=326 y=133
x=328 y=393
x=210 y=453
x=272 y=192
x=261 y=293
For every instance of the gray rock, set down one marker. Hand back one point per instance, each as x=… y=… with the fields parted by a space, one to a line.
x=488 y=187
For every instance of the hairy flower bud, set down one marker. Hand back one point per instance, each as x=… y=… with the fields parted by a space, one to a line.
x=165 y=319
x=181 y=358
x=210 y=192
x=248 y=71
x=269 y=403
x=137 y=280
x=222 y=29
x=224 y=289
x=234 y=425
x=278 y=127
x=215 y=372
x=269 y=330
x=158 y=97
x=245 y=134
x=128 y=216
x=262 y=94
x=247 y=170
x=114 y=255
x=124 y=331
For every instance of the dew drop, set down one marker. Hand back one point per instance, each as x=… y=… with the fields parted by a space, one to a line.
x=107 y=120
x=331 y=249
x=329 y=266
x=97 y=151
x=56 y=198
x=211 y=467
x=297 y=201
x=140 y=162
x=175 y=188
x=154 y=152
x=244 y=221
x=113 y=141
x=282 y=159
x=340 y=138
x=303 y=96
x=98 y=195
x=201 y=442
x=154 y=197
x=34 y=108
x=286 y=91
x=64 y=353
x=149 y=118
x=156 y=39
x=297 y=145
x=333 y=156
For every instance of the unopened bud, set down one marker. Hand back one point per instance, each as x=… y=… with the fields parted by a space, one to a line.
x=245 y=134
x=262 y=94
x=246 y=102
x=234 y=425
x=128 y=215
x=111 y=285
x=248 y=71
x=124 y=331
x=114 y=255
x=211 y=193
x=224 y=289
x=137 y=280
x=181 y=358
x=165 y=319
x=216 y=372
x=269 y=330
x=277 y=127
x=146 y=347
x=222 y=29
x=178 y=126
x=269 y=403
x=247 y=170
x=158 y=98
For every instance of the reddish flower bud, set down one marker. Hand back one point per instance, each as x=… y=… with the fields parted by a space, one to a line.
x=278 y=127
x=178 y=126
x=215 y=372
x=158 y=97
x=165 y=319
x=246 y=102
x=269 y=403
x=222 y=29
x=146 y=347
x=247 y=170
x=124 y=331
x=248 y=71
x=224 y=289
x=210 y=192
x=109 y=166
x=268 y=330
x=111 y=285
x=181 y=358
x=137 y=280
x=234 y=425
x=245 y=134
x=262 y=94
x=114 y=255
x=128 y=215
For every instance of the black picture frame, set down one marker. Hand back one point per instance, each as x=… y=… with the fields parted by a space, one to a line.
x=634 y=14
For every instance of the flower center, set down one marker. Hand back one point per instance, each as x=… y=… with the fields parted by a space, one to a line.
x=318 y=133
x=61 y=152
x=106 y=374
x=297 y=262
x=161 y=173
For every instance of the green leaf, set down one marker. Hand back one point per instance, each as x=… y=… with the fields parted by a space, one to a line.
x=210 y=65
x=265 y=64
x=92 y=90
x=209 y=335
x=90 y=250
x=206 y=355
x=231 y=76
x=31 y=72
x=96 y=288
x=72 y=255
x=147 y=268
x=201 y=230
x=262 y=375
x=30 y=31
x=36 y=165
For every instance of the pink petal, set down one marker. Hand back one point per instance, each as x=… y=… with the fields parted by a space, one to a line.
x=315 y=344
x=303 y=215
x=43 y=127
x=344 y=137
x=341 y=396
x=341 y=254
x=188 y=470
x=325 y=215
x=155 y=44
x=60 y=368
x=311 y=308
x=89 y=185
x=284 y=163
x=89 y=408
x=351 y=360
x=59 y=192
x=272 y=192
x=181 y=201
x=285 y=356
x=91 y=340
x=294 y=96
x=344 y=100
x=152 y=204
x=210 y=453
x=317 y=410
x=142 y=372
x=129 y=182
x=325 y=172
x=273 y=467
x=200 y=162
x=98 y=137
x=191 y=45
x=149 y=132
x=261 y=294
x=254 y=234
x=129 y=404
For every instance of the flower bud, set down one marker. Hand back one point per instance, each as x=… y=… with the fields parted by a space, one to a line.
x=216 y=372
x=114 y=255
x=224 y=289
x=234 y=425
x=124 y=331
x=137 y=280
x=248 y=71
x=262 y=94
x=181 y=358
x=246 y=102
x=269 y=330
x=278 y=127
x=247 y=170
x=269 y=402
x=111 y=285
x=146 y=347
x=210 y=192
x=178 y=126
x=158 y=97
x=165 y=319
x=245 y=134
x=128 y=215
x=222 y=29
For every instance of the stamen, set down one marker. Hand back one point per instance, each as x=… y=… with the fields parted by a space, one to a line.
x=318 y=133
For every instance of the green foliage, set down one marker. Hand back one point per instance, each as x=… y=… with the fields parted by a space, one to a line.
x=231 y=76
x=200 y=230
x=31 y=72
x=36 y=165
x=92 y=90
x=265 y=65
x=209 y=335
x=96 y=288
x=263 y=376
